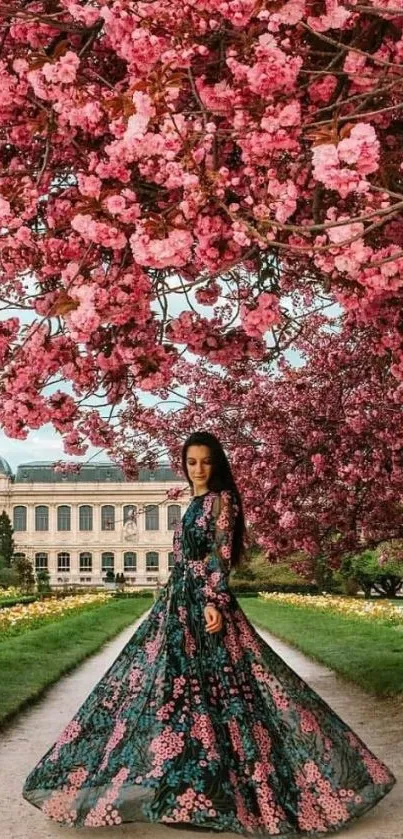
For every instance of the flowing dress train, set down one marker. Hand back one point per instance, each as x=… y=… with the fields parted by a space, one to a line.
x=212 y=731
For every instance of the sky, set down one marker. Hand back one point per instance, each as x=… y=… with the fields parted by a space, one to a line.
x=41 y=444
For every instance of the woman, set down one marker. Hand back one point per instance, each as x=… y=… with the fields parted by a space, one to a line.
x=198 y=722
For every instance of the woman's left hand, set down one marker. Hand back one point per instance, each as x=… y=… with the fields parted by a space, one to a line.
x=214 y=620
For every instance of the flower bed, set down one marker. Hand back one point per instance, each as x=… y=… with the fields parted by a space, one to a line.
x=10 y=592
x=385 y=613
x=23 y=617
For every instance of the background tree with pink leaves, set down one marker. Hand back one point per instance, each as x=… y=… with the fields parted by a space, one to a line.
x=318 y=449
x=243 y=156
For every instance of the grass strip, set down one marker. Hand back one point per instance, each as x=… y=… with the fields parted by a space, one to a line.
x=30 y=663
x=366 y=653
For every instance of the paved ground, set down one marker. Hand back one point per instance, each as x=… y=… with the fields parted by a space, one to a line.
x=378 y=723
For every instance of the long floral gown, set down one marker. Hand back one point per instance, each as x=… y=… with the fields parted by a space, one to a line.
x=213 y=730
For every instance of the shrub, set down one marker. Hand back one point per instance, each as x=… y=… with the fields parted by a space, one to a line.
x=379 y=569
x=8 y=577
x=43 y=581
x=26 y=578
x=15 y=601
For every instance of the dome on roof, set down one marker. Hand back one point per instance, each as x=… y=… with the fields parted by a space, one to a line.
x=5 y=468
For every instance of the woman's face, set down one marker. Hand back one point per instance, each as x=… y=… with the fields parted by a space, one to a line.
x=200 y=467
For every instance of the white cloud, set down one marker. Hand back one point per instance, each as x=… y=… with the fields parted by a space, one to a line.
x=42 y=444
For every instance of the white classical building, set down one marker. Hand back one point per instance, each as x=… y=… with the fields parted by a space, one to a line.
x=80 y=526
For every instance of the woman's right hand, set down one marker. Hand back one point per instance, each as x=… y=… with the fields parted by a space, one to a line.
x=214 y=619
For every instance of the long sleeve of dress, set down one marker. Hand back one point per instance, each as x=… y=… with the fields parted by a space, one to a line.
x=218 y=561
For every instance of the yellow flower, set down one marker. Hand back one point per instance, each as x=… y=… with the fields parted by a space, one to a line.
x=372 y=610
x=11 y=591
x=31 y=615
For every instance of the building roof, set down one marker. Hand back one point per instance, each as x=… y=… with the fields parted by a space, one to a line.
x=101 y=472
x=5 y=468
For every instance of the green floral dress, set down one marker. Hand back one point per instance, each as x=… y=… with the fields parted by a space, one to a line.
x=214 y=730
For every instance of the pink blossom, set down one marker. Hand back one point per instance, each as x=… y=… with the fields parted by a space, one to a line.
x=335 y=18
x=173 y=250
x=138 y=123
x=64 y=70
x=257 y=321
x=89 y=185
x=361 y=147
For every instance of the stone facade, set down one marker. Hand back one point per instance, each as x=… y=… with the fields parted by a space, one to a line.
x=80 y=526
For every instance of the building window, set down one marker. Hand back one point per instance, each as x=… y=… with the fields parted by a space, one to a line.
x=129 y=561
x=152 y=561
x=174 y=516
x=85 y=562
x=41 y=562
x=129 y=513
x=152 y=518
x=63 y=517
x=42 y=517
x=107 y=517
x=171 y=560
x=19 y=555
x=20 y=518
x=108 y=561
x=63 y=562
x=85 y=517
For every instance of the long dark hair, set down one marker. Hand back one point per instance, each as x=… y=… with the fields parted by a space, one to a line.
x=221 y=479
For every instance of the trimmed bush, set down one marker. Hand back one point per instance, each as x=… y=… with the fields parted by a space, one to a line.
x=15 y=601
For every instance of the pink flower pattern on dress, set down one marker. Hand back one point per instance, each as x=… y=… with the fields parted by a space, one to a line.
x=113 y=741
x=59 y=806
x=104 y=813
x=69 y=734
x=203 y=730
x=214 y=731
x=189 y=802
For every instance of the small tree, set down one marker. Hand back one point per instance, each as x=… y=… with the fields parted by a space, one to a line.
x=7 y=546
x=8 y=576
x=43 y=581
x=380 y=569
x=26 y=578
x=120 y=580
x=390 y=561
x=323 y=573
x=109 y=576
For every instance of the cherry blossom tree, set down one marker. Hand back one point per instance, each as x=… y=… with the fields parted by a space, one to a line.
x=241 y=151
x=317 y=450
x=207 y=178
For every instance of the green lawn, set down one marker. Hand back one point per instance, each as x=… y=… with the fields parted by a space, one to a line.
x=29 y=663
x=366 y=653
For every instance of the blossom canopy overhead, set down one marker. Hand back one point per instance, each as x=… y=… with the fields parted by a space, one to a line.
x=158 y=159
